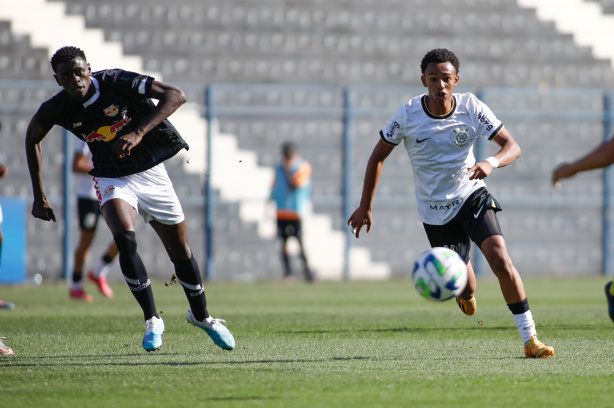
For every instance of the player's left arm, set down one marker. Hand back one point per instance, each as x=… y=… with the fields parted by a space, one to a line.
x=300 y=176
x=510 y=151
x=169 y=99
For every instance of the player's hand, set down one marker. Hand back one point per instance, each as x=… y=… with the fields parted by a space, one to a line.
x=2 y=171
x=564 y=170
x=124 y=144
x=43 y=210
x=480 y=170
x=358 y=219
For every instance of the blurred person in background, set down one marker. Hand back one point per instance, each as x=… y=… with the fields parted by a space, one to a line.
x=88 y=208
x=291 y=193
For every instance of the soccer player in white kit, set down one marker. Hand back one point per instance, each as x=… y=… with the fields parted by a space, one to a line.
x=438 y=130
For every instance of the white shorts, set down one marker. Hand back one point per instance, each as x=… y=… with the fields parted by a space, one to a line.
x=150 y=192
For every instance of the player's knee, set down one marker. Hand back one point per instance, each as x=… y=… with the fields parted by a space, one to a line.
x=126 y=242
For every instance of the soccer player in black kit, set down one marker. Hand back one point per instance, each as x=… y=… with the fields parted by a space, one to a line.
x=129 y=137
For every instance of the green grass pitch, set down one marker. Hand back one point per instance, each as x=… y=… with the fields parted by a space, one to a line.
x=333 y=344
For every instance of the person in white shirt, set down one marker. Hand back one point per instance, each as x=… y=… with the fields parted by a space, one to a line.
x=438 y=130
x=89 y=213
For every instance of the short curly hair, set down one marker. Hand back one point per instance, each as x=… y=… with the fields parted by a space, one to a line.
x=439 y=55
x=66 y=54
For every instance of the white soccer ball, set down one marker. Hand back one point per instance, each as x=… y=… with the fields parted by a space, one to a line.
x=439 y=274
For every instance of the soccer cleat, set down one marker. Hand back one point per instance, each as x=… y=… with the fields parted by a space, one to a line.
x=467 y=306
x=154 y=329
x=102 y=284
x=220 y=335
x=610 y=297
x=4 y=349
x=79 y=294
x=536 y=349
x=6 y=305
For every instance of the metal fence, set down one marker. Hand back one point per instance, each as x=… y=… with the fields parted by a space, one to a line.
x=551 y=125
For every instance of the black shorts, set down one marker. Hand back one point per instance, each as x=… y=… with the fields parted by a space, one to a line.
x=288 y=228
x=475 y=222
x=89 y=211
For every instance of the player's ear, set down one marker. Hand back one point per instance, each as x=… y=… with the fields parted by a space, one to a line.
x=57 y=79
x=423 y=79
x=89 y=69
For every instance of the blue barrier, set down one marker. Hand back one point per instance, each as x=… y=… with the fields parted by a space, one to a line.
x=13 y=259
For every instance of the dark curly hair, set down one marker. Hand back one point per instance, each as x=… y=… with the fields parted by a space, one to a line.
x=66 y=54
x=439 y=55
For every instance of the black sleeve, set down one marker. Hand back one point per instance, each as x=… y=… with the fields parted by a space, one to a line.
x=46 y=115
x=128 y=84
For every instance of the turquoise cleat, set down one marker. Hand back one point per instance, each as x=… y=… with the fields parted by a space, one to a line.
x=154 y=329
x=220 y=335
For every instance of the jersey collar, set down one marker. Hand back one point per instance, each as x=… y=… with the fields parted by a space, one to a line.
x=96 y=95
x=432 y=115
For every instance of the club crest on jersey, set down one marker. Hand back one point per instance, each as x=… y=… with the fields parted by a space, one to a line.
x=111 y=110
x=462 y=138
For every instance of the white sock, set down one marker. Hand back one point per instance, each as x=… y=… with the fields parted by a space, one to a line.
x=526 y=325
x=101 y=269
x=77 y=285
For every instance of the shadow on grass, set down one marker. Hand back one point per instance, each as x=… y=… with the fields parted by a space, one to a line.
x=399 y=330
x=25 y=362
x=448 y=329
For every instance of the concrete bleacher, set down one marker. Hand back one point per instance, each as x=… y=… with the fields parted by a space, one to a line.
x=344 y=43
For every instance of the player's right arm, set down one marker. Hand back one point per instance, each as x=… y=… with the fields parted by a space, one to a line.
x=362 y=215
x=34 y=136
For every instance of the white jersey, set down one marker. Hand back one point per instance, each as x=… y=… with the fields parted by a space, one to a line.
x=441 y=150
x=85 y=182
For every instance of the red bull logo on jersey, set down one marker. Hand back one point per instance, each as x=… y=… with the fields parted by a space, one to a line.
x=106 y=133
x=112 y=110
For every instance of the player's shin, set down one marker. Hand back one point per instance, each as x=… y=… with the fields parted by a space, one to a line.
x=135 y=273
x=188 y=275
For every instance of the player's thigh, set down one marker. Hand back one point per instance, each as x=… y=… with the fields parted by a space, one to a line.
x=174 y=237
x=483 y=227
x=451 y=236
x=119 y=215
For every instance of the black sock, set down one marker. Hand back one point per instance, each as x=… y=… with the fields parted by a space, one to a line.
x=188 y=275
x=520 y=307
x=107 y=259
x=77 y=276
x=135 y=273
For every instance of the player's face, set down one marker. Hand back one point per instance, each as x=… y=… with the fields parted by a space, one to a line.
x=440 y=79
x=74 y=77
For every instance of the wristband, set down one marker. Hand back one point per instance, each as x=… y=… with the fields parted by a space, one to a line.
x=493 y=162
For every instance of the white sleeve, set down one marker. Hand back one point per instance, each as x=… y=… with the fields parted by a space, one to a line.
x=394 y=131
x=486 y=123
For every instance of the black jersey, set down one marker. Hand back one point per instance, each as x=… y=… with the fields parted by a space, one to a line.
x=121 y=102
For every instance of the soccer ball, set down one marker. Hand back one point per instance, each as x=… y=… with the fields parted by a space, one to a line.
x=439 y=274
